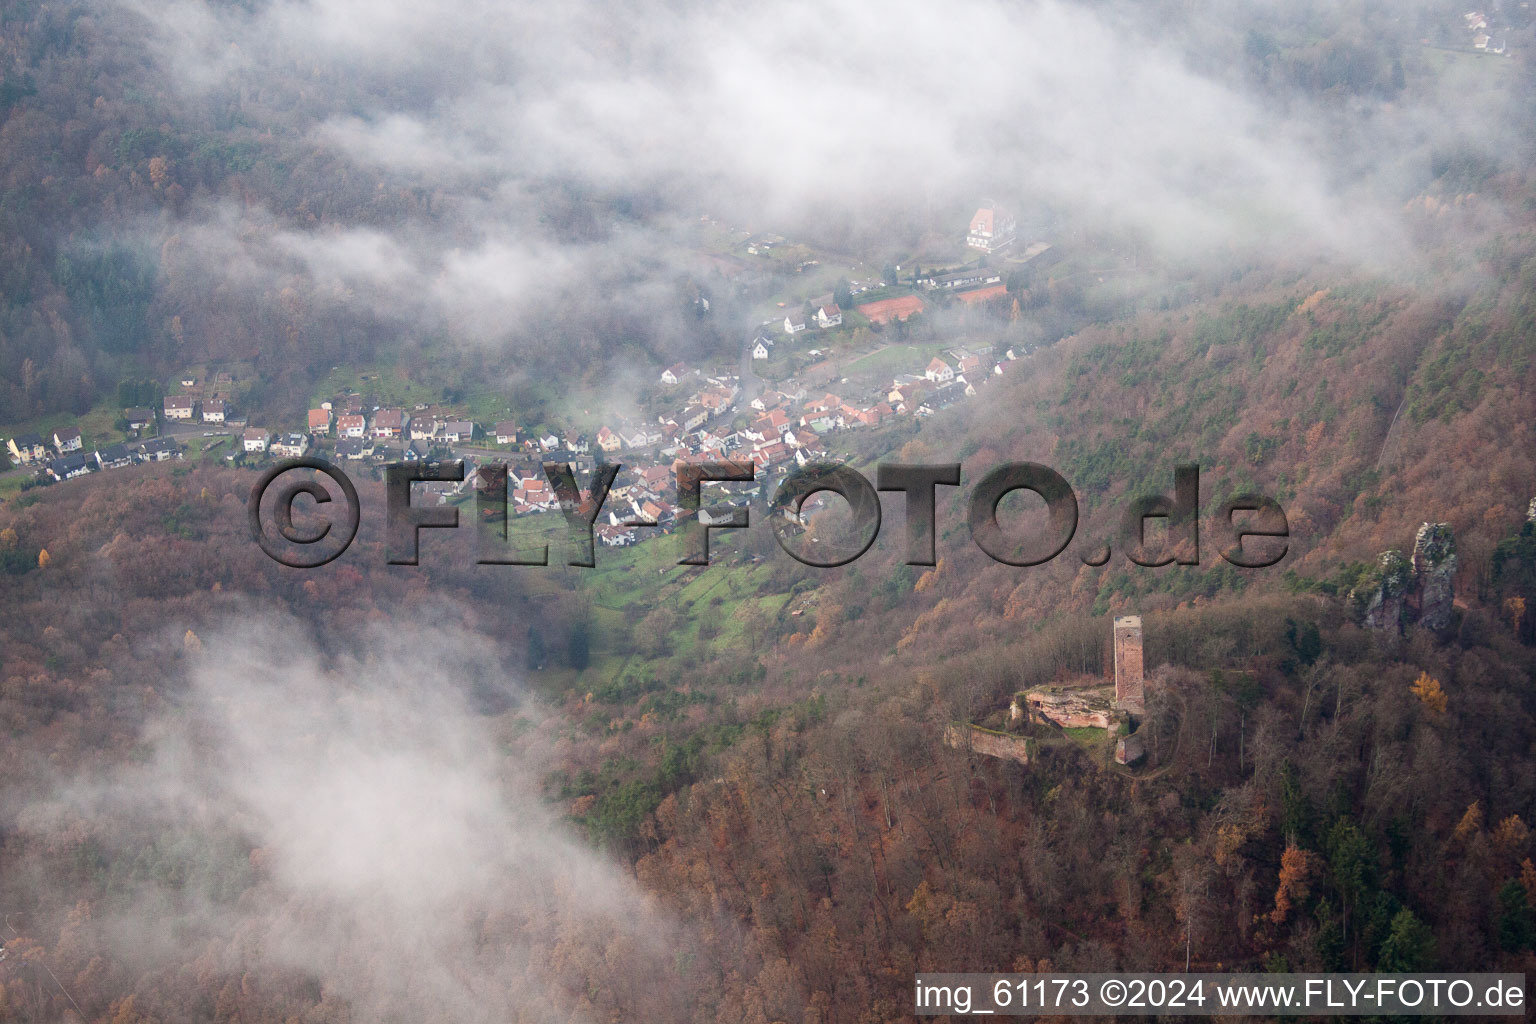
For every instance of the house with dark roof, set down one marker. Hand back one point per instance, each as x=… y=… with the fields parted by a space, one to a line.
x=158 y=449
x=26 y=449
x=354 y=449
x=67 y=439
x=180 y=407
x=291 y=446
x=69 y=467
x=113 y=457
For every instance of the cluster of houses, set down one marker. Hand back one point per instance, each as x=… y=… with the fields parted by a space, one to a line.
x=825 y=314
x=1486 y=37
x=62 y=455
x=207 y=401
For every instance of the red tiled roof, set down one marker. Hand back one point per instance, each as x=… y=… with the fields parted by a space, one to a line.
x=887 y=310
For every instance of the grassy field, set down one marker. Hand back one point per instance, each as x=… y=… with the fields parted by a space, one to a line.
x=95 y=426
x=896 y=359
x=725 y=593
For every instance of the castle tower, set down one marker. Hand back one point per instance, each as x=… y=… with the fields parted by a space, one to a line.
x=1128 y=666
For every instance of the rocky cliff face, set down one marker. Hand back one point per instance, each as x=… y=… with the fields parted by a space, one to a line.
x=1383 y=593
x=1434 y=564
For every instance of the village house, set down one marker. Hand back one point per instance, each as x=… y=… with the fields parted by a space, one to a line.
x=800 y=437
x=769 y=425
x=113 y=457
x=291 y=446
x=159 y=449
x=762 y=346
x=939 y=372
x=67 y=439
x=658 y=512
x=772 y=454
x=771 y=400
x=716 y=398
x=970 y=277
x=320 y=421
x=213 y=410
x=354 y=450
x=254 y=439
x=827 y=403
x=180 y=408
x=459 y=431
x=874 y=415
x=69 y=467
x=942 y=398
x=389 y=423
x=991 y=229
x=353 y=425
x=506 y=432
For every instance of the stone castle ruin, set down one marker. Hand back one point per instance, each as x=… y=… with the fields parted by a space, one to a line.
x=1081 y=702
x=1129 y=679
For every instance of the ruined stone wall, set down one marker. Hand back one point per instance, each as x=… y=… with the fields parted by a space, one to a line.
x=985 y=741
x=1130 y=683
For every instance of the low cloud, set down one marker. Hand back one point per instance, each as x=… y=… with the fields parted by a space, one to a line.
x=400 y=853
x=839 y=121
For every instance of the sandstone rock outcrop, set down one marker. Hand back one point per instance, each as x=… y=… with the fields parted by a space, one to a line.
x=1434 y=565
x=1383 y=593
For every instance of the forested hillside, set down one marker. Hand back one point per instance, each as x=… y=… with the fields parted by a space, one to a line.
x=1329 y=798
x=647 y=791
